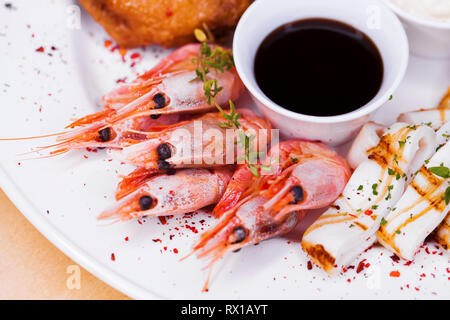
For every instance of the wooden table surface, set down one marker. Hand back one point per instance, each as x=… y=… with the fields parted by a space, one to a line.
x=31 y=267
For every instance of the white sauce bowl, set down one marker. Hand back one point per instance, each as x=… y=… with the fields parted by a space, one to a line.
x=369 y=16
x=427 y=38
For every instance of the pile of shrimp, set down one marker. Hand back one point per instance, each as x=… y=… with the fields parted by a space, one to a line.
x=138 y=125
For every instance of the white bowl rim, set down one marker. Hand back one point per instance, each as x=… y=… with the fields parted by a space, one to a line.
x=359 y=113
x=415 y=19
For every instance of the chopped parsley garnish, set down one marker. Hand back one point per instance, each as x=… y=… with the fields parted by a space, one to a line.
x=447 y=196
x=389 y=196
x=374 y=189
x=440 y=171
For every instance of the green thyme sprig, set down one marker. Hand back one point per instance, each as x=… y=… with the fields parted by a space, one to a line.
x=215 y=59
x=218 y=59
x=250 y=156
x=232 y=118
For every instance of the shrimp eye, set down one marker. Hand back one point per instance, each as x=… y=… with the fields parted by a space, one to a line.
x=239 y=234
x=163 y=165
x=159 y=100
x=145 y=202
x=105 y=134
x=164 y=151
x=297 y=193
x=171 y=171
x=155 y=116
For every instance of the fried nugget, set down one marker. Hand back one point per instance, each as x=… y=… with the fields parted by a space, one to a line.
x=169 y=23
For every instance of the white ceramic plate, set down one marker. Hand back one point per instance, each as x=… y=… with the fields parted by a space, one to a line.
x=40 y=92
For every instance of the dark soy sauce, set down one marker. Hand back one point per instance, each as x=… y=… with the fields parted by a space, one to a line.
x=319 y=67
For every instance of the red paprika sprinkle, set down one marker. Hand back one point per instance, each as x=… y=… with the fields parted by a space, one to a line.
x=162 y=219
x=40 y=49
x=136 y=55
x=113 y=257
x=193 y=229
x=361 y=266
x=395 y=274
x=310 y=266
x=368 y=212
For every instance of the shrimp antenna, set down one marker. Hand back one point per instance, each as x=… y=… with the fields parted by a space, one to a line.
x=35 y=137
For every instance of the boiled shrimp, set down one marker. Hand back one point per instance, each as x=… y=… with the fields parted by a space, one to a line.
x=167 y=90
x=184 y=191
x=303 y=175
x=177 y=146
